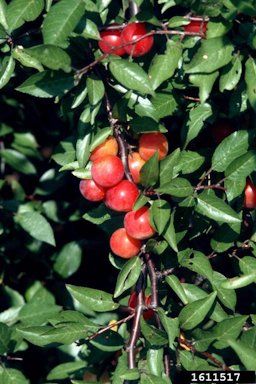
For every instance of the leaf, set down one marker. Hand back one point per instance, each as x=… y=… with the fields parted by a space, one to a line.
x=227 y=329
x=239 y=282
x=246 y=354
x=68 y=260
x=108 y=342
x=19 y=11
x=189 y=162
x=250 y=76
x=232 y=147
x=26 y=59
x=154 y=336
x=247 y=264
x=231 y=74
x=194 y=313
x=171 y=327
x=168 y=166
x=12 y=376
x=128 y=276
x=6 y=71
x=95 y=299
x=178 y=187
x=47 y=84
x=163 y=66
x=51 y=56
x=164 y=104
x=36 y=226
x=149 y=172
x=37 y=313
x=3 y=20
x=226 y=296
x=177 y=287
x=155 y=361
x=5 y=337
x=199 y=263
x=160 y=213
x=91 y=30
x=205 y=83
x=95 y=88
x=18 y=161
x=211 y=206
x=61 y=20
x=100 y=137
x=131 y=374
x=197 y=117
x=211 y=55
x=84 y=138
x=63 y=371
x=169 y=234
x=131 y=75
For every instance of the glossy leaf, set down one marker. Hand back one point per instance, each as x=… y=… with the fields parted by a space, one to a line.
x=227 y=329
x=194 y=313
x=155 y=361
x=26 y=59
x=176 y=286
x=61 y=20
x=63 y=371
x=12 y=376
x=178 y=187
x=171 y=327
x=226 y=296
x=19 y=11
x=232 y=147
x=128 y=275
x=231 y=74
x=246 y=354
x=199 y=263
x=93 y=298
x=205 y=83
x=3 y=19
x=211 y=206
x=239 y=282
x=247 y=264
x=149 y=172
x=131 y=75
x=36 y=226
x=189 y=162
x=18 y=161
x=197 y=117
x=250 y=73
x=37 y=313
x=68 y=260
x=154 y=336
x=160 y=212
x=95 y=88
x=51 y=56
x=5 y=337
x=108 y=342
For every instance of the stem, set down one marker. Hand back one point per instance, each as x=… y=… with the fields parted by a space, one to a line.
x=135 y=332
x=103 y=330
x=153 y=279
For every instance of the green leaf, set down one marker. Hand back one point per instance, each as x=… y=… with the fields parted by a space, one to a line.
x=211 y=55
x=61 y=20
x=68 y=260
x=131 y=75
x=5 y=336
x=26 y=59
x=160 y=213
x=239 y=282
x=37 y=226
x=177 y=287
x=163 y=66
x=51 y=56
x=247 y=264
x=169 y=234
x=178 y=187
x=6 y=71
x=246 y=354
x=168 y=166
x=131 y=374
x=197 y=117
x=171 y=327
x=37 y=313
x=226 y=296
x=128 y=276
x=95 y=88
x=164 y=105
x=227 y=329
x=3 y=19
x=155 y=361
x=100 y=137
x=19 y=11
x=149 y=172
x=189 y=162
x=205 y=83
x=250 y=80
x=229 y=149
x=95 y=299
x=152 y=379
x=199 y=263
x=47 y=84
x=154 y=336
x=108 y=342
x=84 y=138
x=18 y=161
x=194 y=313
x=211 y=206
x=63 y=371
x=91 y=30
x=12 y=376
x=231 y=74
x=193 y=363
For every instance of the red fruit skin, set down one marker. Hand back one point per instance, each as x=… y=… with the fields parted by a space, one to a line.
x=150 y=143
x=108 y=147
x=221 y=130
x=196 y=26
x=137 y=224
x=111 y=39
x=249 y=195
x=91 y=191
x=135 y=163
x=123 y=245
x=132 y=303
x=132 y=32
x=107 y=171
x=122 y=196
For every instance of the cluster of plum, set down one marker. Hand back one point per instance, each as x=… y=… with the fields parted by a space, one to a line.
x=129 y=40
x=108 y=184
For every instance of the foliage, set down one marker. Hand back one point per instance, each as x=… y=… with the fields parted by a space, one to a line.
x=60 y=285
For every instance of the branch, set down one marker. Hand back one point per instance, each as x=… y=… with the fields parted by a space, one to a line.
x=214 y=186
x=103 y=330
x=135 y=332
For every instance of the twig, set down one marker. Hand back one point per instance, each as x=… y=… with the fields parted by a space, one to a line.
x=153 y=279
x=214 y=186
x=103 y=330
